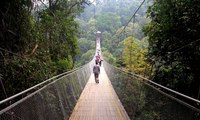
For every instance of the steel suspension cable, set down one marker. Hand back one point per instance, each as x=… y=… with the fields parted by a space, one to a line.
x=133 y=16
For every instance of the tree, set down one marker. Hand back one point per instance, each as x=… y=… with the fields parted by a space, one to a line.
x=108 y=16
x=105 y=22
x=108 y=56
x=173 y=44
x=86 y=57
x=134 y=56
x=36 y=45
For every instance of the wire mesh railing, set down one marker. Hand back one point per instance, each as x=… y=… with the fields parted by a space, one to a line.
x=53 y=101
x=146 y=100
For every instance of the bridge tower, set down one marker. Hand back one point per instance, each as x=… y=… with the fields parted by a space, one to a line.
x=98 y=33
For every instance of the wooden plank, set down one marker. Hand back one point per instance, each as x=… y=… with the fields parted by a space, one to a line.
x=99 y=101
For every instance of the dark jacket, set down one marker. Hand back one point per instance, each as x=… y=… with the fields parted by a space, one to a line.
x=96 y=69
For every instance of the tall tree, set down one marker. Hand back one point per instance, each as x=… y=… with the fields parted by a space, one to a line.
x=105 y=22
x=174 y=44
x=32 y=50
x=134 y=56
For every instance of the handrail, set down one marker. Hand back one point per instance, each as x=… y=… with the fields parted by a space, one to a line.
x=42 y=83
x=35 y=92
x=150 y=81
x=174 y=98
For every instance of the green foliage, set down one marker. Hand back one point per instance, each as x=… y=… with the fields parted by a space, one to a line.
x=87 y=50
x=107 y=56
x=36 y=45
x=108 y=16
x=20 y=74
x=86 y=57
x=85 y=45
x=134 y=56
x=173 y=44
x=105 y=22
x=106 y=39
x=64 y=65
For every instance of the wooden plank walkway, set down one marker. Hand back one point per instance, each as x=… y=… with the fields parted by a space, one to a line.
x=99 y=101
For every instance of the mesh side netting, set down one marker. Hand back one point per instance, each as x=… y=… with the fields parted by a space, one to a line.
x=144 y=102
x=54 y=101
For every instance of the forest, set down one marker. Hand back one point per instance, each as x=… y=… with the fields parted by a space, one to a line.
x=38 y=40
x=115 y=40
x=49 y=37
x=161 y=42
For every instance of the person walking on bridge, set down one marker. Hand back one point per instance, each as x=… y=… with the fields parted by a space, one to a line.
x=96 y=71
x=98 y=59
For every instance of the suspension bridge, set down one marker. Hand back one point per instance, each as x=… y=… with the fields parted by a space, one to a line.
x=120 y=95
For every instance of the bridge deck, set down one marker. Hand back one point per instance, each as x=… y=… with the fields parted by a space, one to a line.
x=99 y=101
